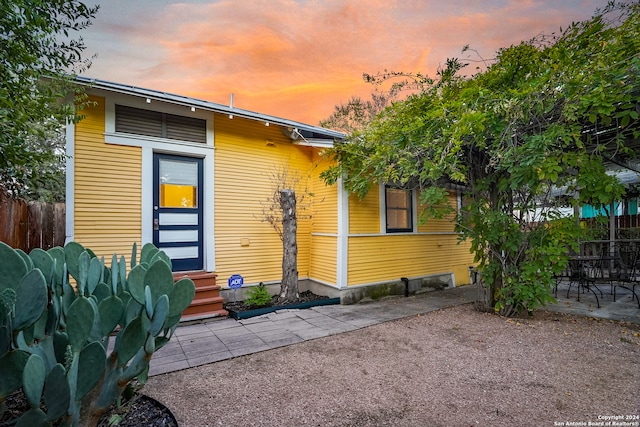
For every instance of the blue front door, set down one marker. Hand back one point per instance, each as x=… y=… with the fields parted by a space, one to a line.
x=177 y=209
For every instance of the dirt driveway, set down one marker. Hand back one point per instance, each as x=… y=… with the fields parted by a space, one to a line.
x=453 y=367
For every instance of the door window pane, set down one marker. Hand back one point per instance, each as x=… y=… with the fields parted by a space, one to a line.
x=178 y=184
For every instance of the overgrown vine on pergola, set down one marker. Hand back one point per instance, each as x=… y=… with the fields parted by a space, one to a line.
x=526 y=136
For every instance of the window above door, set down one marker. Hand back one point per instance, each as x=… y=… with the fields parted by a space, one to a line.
x=157 y=124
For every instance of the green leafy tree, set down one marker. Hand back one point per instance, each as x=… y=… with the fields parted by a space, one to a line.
x=38 y=57
x=48 y=176
x=525 y=137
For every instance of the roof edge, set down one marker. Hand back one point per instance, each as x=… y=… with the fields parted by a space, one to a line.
x=322 y=133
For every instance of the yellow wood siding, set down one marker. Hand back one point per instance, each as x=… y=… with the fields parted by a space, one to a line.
x=390 y=257
x=108 y=188
x=325 y=206
x=385 y=257
x=247 y=153
x=323 y=251
x=444 y=224
x=323 y=259
x=364 y=215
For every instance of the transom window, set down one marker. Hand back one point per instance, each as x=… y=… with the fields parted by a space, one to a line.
x=160 y=125
x=399 y=210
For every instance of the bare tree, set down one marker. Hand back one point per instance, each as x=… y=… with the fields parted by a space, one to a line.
x=357 y=112
x=289 y=285
x=280 y=210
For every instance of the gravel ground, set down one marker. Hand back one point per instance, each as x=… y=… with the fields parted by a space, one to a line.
x=453 y=367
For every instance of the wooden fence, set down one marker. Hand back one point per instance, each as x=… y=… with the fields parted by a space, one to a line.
x=627 y=226
x=29 y=225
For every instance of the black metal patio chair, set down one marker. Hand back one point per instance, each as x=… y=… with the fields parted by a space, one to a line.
x=585 y=271
x=624 y=272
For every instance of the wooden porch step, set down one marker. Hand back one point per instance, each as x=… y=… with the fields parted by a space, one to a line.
x=206 y=292
x=207 y=302
x=200 y=278
x=202 y=306
x=196 y=318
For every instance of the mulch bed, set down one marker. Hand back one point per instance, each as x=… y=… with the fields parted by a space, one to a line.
x=276 y=301
x=139 y=410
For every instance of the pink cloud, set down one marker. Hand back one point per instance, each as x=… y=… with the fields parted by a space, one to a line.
x=298 y=59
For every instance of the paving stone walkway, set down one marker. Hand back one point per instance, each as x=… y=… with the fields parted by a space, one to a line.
x=208 y=342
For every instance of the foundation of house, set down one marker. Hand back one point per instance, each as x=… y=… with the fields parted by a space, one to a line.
x=358 y=293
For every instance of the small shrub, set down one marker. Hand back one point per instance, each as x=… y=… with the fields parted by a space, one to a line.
x=257 y=296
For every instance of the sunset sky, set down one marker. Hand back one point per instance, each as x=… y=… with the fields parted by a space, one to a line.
x=297 y=59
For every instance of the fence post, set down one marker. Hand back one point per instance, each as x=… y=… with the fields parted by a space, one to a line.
x=48 y=225
x=34 y=219
x=59 y=232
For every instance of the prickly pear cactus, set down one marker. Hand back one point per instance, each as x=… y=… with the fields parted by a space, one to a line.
x=75 y=332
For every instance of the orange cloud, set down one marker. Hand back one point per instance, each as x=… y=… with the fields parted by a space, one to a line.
x=298 y=59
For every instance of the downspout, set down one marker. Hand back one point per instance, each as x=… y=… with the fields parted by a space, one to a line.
x=406 y=286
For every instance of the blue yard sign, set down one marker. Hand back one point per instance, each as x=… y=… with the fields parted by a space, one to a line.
x=236 y=281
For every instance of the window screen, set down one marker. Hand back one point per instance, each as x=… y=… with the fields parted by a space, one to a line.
x=160 y=125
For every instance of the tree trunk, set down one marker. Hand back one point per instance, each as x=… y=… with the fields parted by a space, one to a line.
x=289 y=286
x=495 y=283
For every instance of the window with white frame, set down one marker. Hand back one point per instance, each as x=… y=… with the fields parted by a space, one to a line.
x=398 y=210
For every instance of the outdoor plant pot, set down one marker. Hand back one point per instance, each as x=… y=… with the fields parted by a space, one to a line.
x=139 y=410
x=142 y=410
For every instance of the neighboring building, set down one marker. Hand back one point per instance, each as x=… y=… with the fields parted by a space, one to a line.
x=190 y=176
x=625 y=223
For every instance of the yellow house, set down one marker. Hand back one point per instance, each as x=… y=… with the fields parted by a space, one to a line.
x=193 y=177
